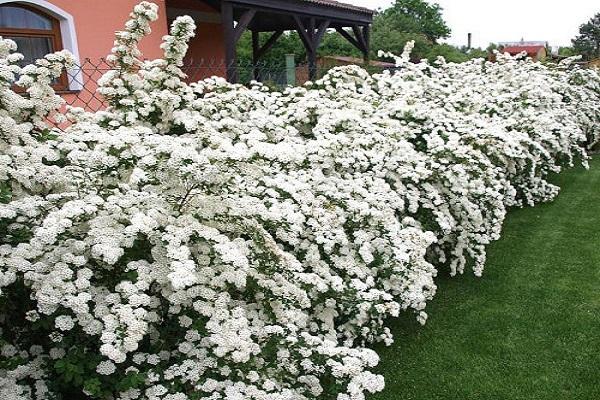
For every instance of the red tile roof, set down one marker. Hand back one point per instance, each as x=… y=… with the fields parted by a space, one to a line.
x=337 y=4
x=530 y=50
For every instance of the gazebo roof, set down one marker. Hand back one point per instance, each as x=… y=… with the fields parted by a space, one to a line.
x=274 y=15
x=338 y=4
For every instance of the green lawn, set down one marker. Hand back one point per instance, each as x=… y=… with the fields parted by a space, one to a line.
x=530 y=328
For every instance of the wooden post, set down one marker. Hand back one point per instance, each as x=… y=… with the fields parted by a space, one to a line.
x=232 y=36
x=230 y=43
x=312 y=64
x=311 y=52
x=255 y=55
x=259 y=51
x=311 y=37
x=367 y=40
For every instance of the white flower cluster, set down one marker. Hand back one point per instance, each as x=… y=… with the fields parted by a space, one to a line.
x=212 y=241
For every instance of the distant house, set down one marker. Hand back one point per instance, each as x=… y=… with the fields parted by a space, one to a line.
x=537 y=51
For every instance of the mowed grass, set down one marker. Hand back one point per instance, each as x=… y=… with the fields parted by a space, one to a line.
x=530 y=328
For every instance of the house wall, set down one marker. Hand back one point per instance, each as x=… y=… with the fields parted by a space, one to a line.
x=97 y=21
x=542 y=55
x=206 y=55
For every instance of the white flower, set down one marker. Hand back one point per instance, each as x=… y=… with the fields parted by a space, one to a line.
x=64 y=323
x=106 y=368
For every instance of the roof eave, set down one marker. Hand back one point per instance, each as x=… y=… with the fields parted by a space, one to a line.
x=310 y=9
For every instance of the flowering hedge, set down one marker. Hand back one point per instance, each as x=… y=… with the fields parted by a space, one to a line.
x=212 y=241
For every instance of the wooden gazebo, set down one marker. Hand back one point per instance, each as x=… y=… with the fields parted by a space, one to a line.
x=310 y=18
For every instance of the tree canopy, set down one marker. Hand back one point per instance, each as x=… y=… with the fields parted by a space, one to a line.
x=587 y=43
x=414 y=16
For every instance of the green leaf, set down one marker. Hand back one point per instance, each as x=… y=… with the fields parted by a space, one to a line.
x=5 y=192
x=93 y=386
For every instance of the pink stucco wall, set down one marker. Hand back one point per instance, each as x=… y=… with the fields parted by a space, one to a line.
x=96 y=22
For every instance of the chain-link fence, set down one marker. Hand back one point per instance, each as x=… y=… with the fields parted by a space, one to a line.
x=80 y=83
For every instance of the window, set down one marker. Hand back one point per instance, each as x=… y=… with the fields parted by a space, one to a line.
x=36 y=34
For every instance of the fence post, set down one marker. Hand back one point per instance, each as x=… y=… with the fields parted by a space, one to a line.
x=290 y=67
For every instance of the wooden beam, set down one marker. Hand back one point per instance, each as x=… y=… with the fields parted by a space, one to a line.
x=312 y=65
x=214 y=4
x=259 y=51
x=312 y=23
x=255 y=42
x=311 y=36
x=307 y=36
x=317 y=36
x=269 y=43
x=242 y=24
x=304 y=36
x=348 y=37
x=323 y=26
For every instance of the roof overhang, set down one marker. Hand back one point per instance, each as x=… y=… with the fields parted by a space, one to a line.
x=274 y=15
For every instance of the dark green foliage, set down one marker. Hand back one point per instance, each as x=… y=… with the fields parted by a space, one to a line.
x=415 y=16
x=567 y=52
x=288 y=43
x=77 y=372
x=587 y=43
x=5 y=193
x=74 y=369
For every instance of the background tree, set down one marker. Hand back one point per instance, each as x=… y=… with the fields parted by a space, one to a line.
x=414 y=16
x=567 y=51
x=587 y=43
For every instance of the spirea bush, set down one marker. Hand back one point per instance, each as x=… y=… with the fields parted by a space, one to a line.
x=213 y=241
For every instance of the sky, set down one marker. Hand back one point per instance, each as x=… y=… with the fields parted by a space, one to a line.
x=553 y=21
